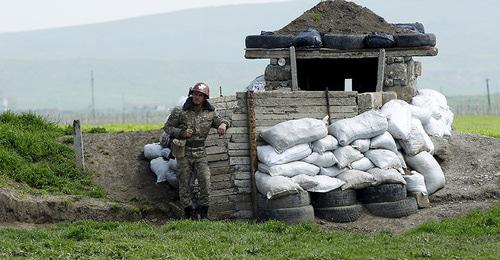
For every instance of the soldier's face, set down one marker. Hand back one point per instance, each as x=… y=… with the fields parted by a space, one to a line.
x=198 y=98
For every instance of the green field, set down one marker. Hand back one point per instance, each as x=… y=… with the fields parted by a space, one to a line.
x=119 y=128
x=476 y=236
x=484 y=125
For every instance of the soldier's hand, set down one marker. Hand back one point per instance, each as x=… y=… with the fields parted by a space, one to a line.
x=188 y=133
x=222 y=129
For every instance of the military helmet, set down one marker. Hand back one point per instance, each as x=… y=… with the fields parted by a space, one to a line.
x=202 y=88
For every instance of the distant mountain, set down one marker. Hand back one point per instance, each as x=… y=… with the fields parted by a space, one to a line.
x=153 y=59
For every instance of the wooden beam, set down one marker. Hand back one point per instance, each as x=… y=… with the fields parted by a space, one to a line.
x=252 y=142
x=293 y=64
x=380 y=71
x=323 y=53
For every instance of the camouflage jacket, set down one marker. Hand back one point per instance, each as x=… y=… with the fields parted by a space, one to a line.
x=200 y=121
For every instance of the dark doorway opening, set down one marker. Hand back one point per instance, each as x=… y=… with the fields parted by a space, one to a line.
x=317 y=74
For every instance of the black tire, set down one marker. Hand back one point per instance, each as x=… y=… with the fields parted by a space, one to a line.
x=268 y=41
x=334 y=198
x=300 y=199
x=382 y=193
x=395 y=209
x=415 y=27
x=340 y=214
x=379 y=40
x=344 y=42
x=415 y=40
x=287 y=215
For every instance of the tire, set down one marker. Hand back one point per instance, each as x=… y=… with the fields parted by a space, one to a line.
x=287 y=215
x=379 y=40
x=344 y=42
x=395 y=209
x=382 y=193
x=334 y=198
x=415 y=40
x=268 y=41
x=340 y=214
x=300 y=199
x=416 y=27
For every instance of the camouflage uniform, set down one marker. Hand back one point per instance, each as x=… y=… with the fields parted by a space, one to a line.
x=200 y=121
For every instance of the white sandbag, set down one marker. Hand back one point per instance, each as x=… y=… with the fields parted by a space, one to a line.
x=326 y=184
x=326 y=159
x=416 y=142
x=435 y=127
x=415 y=182
x=361 y=145
x=383 y=176
x=426 y=165
x=289 y=169
x=437 y=97
x=355 y=179
x=164 y=170
x=328 y=143
x=401 y=159
x=275 y=186
x=363 y=126
x=362 y=164
x=384 y=159
x=268 y=155
x=152 y=151
x=332 y=171
x=384 y=141
x=293 y=132
x=346 y=155
x=305 y=181
x=420 y=113
x=398 y=117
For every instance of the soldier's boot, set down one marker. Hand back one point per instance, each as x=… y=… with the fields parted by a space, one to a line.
x=188 y=212
x=203 y=212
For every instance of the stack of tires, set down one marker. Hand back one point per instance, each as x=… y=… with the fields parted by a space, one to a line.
x=292 y=209
x=388 y=200
x=337 y=205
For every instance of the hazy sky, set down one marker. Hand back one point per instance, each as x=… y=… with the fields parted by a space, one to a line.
x=22 y=15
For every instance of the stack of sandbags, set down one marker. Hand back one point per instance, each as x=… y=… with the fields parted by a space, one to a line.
x=438 y=117
x=164 y=169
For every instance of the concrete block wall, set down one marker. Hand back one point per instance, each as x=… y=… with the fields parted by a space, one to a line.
x=401 y=76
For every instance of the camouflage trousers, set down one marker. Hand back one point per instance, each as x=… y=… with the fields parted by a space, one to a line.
x=189 y=167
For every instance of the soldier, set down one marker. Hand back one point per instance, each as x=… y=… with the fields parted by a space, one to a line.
x=189 y=126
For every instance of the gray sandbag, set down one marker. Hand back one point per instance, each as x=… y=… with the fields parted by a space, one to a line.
x=362 y=164
x=398 y=117
x=326 y=159
x=384 y=159
x=328 y=143
x=268 y=155
x=383 y=176
x=289 y=169
x=275 y=186
x=417 y=141
x=361 y=145
x=305 y=181
x=356 y=180
x=426 y=165
x=326 y=184
x=333 y=171
x=384 y=141
x=152 y=151
x=293 y=132
x=415 y=182
x=346 y=155
x=363 y=126
x=165 y=171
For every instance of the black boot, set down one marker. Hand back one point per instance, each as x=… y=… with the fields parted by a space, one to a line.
x=188 y=212
x=203 y=212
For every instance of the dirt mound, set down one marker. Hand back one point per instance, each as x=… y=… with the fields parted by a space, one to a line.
x=340 y=17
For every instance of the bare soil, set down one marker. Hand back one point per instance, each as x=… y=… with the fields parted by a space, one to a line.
x=340 y=17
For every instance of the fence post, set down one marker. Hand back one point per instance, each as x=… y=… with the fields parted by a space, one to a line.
x=78 y=145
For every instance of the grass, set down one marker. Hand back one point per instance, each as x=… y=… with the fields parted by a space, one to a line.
x=30 y=154
x=119 y=128
x=484 y=125
x=476 y=236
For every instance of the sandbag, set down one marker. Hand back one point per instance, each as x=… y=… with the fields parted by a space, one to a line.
x=326 y=159
x=362 y=164
x=363 y=126
x=275 y=186
x=308 y=38
x=384 y=159
x=384 y=141
x=435 y=127
x=401 y=159
x=398 y=117
x=346 y=155
x=289 y=169
x=268 y=155
x=355 y=179
x=332 y=171
x=417 y=141
x=328 y=143
x=426 y=165
x=326 y=184
x=165 y=170
x=152 y=151
x=361 y=145
x=305 y=181
x=415 y=182
x=386 y=176
x=420 y=113
x=293 y=132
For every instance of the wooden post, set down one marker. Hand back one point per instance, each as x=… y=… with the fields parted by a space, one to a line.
x=78 y=145
x=380 y=71
x=293 y=64
x=252 y=141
